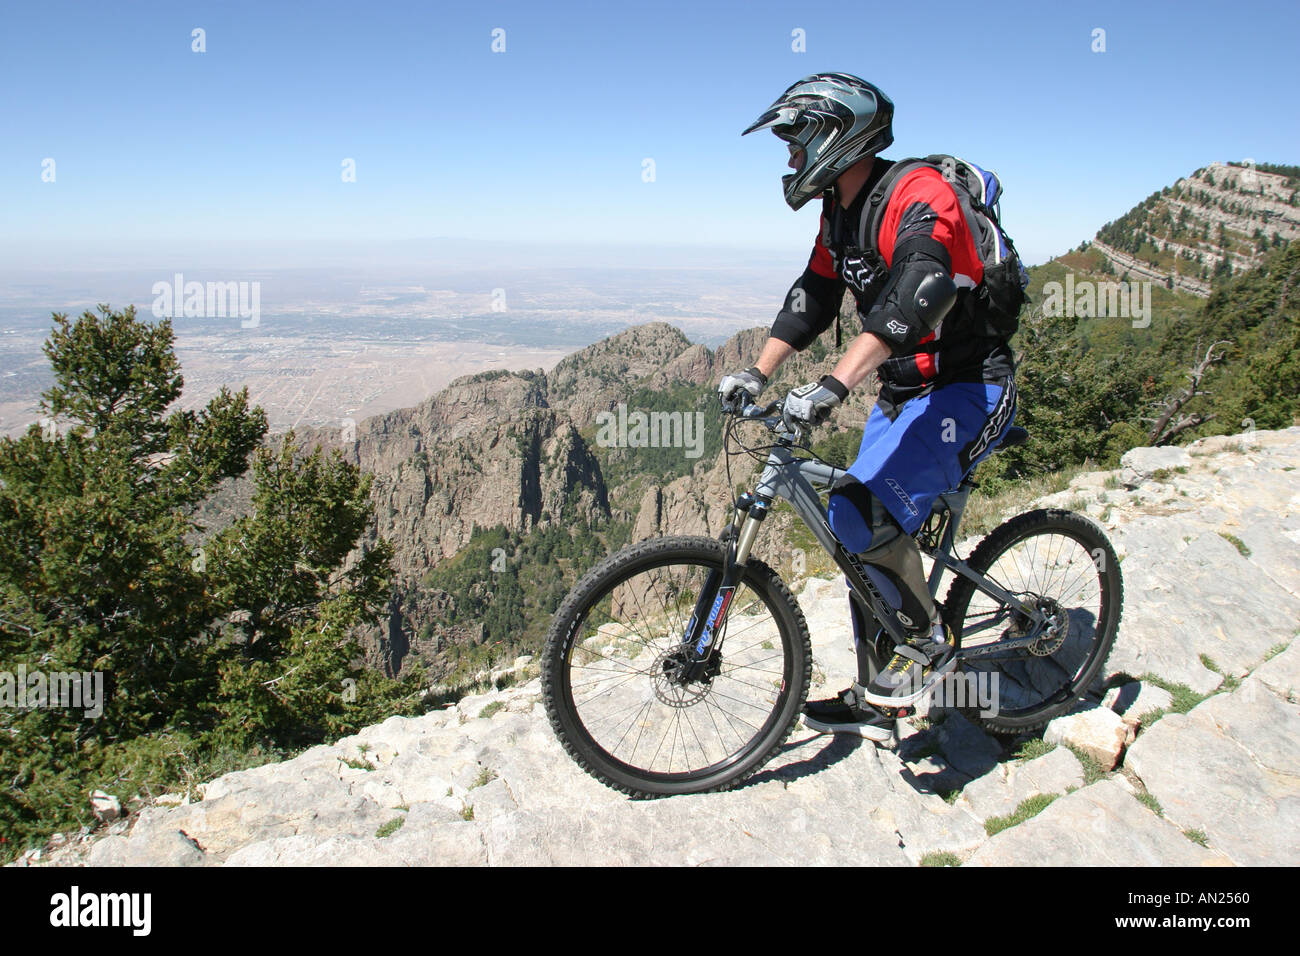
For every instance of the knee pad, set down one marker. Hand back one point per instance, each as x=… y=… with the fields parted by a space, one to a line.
x=858 y=518
x=890 y=558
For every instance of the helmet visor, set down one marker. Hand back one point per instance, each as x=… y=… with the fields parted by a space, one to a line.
x=775 y=116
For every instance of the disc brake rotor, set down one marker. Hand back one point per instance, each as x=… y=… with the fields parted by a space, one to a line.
x=1054 y=633
x=670 y=687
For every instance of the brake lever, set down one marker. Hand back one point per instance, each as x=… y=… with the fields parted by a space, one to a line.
x=758 y=411
x=775 y=422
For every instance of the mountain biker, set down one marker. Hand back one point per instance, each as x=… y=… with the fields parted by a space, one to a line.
x=946 y=396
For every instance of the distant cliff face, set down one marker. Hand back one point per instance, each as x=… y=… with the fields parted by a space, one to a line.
x=486 y=451
x=507 y=450
x=1219 y=221
x=599 y=376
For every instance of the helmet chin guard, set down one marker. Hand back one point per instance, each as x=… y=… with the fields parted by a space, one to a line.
x=837 y=119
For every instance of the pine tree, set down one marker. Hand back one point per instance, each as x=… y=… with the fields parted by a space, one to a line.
x=236 y=639
x=95 y=511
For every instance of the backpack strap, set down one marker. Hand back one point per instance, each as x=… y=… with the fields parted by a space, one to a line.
x=828 y=240
x=873 y=210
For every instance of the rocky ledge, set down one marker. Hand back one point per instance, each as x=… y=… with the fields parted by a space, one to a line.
x=1187 y=754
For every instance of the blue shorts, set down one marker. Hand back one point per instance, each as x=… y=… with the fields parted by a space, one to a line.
x=927 y=450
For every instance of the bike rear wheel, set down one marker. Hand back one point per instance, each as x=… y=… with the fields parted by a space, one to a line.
x=613 y=682
x=1064 y=565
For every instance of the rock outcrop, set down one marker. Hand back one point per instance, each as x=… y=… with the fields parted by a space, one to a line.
x=1218 y=221
x=508 y=449
x=495 y=449
x=1205 y=677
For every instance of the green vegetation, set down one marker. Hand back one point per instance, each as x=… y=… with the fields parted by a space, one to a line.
x=1091 y=388
x=838 y=448
x=491 y=709
x=391 y=827
x=1171 y=228
x=1080 y=402
x=1236 y=542
x=216 y=650
x=996 y=499
x=940 y=858
x=1290 y=172
x=504 y=586
x=1230 y=683
x=669 y=459
x=1033 y=747
x=1151 y=803
x=1257 y=381
x=1029 y=807
x=1197 y=836
x=1184 y=698
x=1092 y=770
x=485 y=776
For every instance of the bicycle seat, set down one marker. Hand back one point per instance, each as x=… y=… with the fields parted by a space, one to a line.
x=1015 y=436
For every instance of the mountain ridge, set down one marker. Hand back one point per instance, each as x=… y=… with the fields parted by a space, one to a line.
x=1216 y=222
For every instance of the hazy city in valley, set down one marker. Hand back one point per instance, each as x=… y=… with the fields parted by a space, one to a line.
x=332 y=345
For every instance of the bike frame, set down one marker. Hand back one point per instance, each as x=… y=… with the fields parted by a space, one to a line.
x=801 y=482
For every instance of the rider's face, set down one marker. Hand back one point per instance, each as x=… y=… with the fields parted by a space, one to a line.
x=797 y=157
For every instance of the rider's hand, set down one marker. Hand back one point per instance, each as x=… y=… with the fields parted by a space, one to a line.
x=811 y=404
x=739 y=388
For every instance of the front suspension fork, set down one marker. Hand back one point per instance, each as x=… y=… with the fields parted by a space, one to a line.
x=720 y=586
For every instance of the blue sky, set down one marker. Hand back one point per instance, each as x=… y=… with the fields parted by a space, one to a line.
x=545 y=142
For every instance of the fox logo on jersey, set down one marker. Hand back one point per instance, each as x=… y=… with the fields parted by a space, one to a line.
x=859 y=273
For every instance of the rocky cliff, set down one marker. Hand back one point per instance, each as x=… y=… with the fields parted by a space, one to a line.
x=1187 y=754
x=520 y=451
x=1217 y=222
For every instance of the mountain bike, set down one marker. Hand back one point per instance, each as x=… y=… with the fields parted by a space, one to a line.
x=681 y=664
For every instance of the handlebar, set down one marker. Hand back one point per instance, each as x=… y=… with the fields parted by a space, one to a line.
x=758 y=411
x=770 y=416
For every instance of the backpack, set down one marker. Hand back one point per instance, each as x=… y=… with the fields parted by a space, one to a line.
x=998 y=299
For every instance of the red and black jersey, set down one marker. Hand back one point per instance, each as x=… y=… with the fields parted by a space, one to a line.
x=922 y=225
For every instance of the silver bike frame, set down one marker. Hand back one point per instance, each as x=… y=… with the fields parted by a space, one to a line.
x=798 y=480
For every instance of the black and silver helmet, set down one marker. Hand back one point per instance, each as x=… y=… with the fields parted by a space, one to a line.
x=836 y=119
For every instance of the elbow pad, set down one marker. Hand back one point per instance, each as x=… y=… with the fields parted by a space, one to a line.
x=919 y=293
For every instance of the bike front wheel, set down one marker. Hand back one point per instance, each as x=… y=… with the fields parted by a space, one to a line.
x=1062 y=564
x=614 y=685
